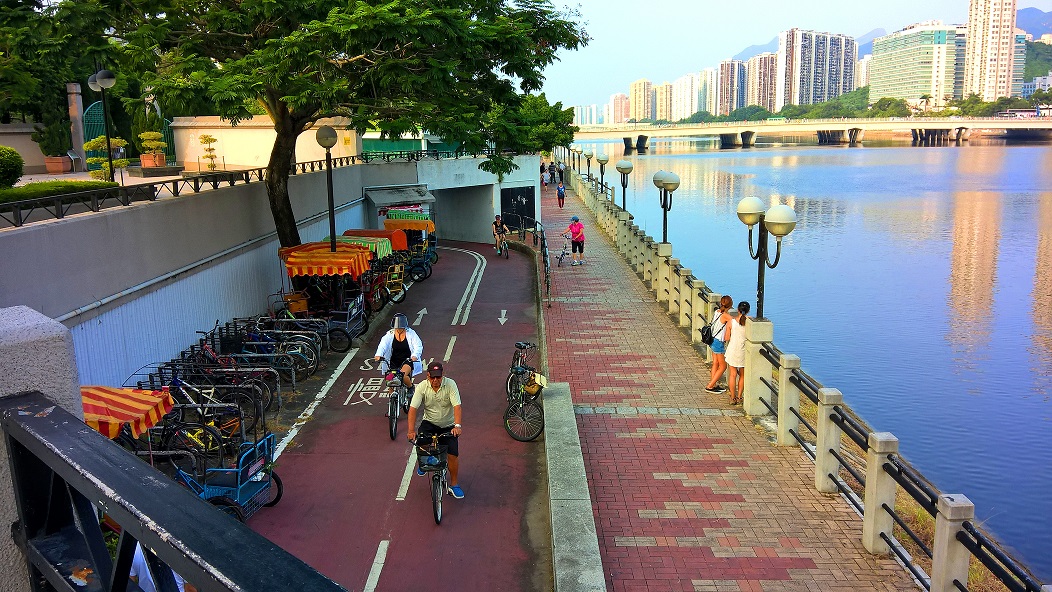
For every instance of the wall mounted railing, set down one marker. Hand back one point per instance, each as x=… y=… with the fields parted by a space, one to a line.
x=813 y=416
x=526 y=225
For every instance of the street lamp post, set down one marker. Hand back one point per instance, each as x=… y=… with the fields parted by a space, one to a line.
x=779 y=220
x=624 y=167
x=577 y=159
x=588 y=156
x=326 y=137
x=669 y=183
x=100 y=81
x=602 y=159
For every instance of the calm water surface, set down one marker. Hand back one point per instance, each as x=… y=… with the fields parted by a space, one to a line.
x=918 y=281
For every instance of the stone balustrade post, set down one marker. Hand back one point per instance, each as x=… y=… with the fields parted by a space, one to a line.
x=880 y=490
x=665 y=279
x=788 y=398
x=623 y=229
x=686 y=298
x=659 y=283
x=650 y=250
x=697 y=311
x=712 y=303
x=757 y=333
x=949 y=557
x=637 y=250
x=827 y=440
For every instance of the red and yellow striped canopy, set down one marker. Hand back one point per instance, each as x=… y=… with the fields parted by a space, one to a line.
x=318 y=259
x=106 y=408
x=395 y=224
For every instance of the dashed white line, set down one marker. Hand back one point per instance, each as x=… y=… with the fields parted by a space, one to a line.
x=302 y=419
x=378 y=565
x=449 y=348
x=407 y=476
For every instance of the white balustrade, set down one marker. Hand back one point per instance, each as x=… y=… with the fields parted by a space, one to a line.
x=788 y=398
x=880 y=490
x=827 y=441
x=757 y=367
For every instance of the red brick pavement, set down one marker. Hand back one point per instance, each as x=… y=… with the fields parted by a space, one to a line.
x=687 y=493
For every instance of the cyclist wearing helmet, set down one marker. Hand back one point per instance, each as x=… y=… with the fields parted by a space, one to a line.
x=402 y=348
x=499 y=230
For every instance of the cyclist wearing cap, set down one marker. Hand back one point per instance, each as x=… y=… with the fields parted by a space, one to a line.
x=440 y=400
x=402 y=348
x=499 y=230
x=576 y=232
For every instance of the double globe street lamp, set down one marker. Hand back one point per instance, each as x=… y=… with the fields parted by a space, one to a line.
x=588 y=156
x=326 y=137
x=779 y=220
x=602 y=159
x=666 y=183
x=624 y=167
x=97 y=82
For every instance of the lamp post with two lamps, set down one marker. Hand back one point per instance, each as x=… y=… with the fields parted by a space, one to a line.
x=666 y=183
x=602 y=159
x=624 y=167
x=779 y=220
x=100 y=81
x=326 y=137
x=588 y=156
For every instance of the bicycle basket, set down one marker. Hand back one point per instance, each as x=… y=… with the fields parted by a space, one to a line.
x=532 y=387
x=296 y=302
x=431 y=457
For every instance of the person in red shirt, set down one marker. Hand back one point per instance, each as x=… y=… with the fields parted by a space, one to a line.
x=576 y=232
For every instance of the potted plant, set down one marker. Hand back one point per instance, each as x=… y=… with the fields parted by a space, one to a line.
x=99 y=145
x=53 y=138
x=210 y=152
x=153 y=149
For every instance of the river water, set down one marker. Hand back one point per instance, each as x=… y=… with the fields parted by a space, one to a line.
x=918 y=281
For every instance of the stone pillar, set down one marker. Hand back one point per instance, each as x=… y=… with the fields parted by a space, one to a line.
x=638 y=250
x=36 y=354
x=757 y=333
x=827 y=441
x=949 y=557
x=659 y=270
x=686 y=299
x=668 y=280
x=880 y=489
x=697 y=311
x=623 y=232
x=788 y=397
x=650 y=249
x=76 y=120
x=712 y=302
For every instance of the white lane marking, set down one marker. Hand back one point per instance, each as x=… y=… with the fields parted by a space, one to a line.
x=503 y=318
x=407 y=476
x=378 y=565
x=419 y=316
x=464 y=308
x=302 y=419
x=449 y=348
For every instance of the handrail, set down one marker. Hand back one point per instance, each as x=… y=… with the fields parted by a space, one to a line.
x=985 y=550
x=528 y=224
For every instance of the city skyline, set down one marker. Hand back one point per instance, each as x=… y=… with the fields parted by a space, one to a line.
x=622 y=51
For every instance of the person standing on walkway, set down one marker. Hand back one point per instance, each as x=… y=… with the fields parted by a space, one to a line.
x=440 y=399
x=576 y=232
x=544 y=169
x=560 y=192
x=735 y=355
x=720 y=319
x=562 y=168
x=551 y=172
x=402 y=348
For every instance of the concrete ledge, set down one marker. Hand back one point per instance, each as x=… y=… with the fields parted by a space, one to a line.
x=575 y=543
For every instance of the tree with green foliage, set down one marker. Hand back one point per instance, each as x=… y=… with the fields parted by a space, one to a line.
x=1038 y=60
x=889 y=107
x=748 y=113
x=699 y=117
x=534 y=125
x=452 y=67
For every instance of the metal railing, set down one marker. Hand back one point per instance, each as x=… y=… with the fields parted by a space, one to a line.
x=526 y=225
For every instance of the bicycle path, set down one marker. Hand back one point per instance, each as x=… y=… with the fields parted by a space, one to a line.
x=343 y=475
x=687 y=494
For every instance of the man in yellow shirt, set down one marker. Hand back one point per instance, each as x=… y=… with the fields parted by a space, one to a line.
x=439 y=397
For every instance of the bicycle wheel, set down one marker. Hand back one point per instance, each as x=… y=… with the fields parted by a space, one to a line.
x=339 y=340
x=513 y=384
x=432 y=257
x=392 y=415
x=396 y=297
x=506 y=250
x=201 y=441
x=405 y=398
x=419 y=272
x=437 y=489
x=245 y=414
x=303 y=357
x=229 y=507
x=276 y=489
x=524 y=421
x=261 y=391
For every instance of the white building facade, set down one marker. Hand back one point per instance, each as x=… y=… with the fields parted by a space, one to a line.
x=708 y=90
x=761 y=72
x=641 y=100
x=989 y=62
x=918 y=61
x=685 y=93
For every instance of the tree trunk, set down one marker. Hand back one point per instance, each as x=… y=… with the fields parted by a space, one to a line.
x=278 y=182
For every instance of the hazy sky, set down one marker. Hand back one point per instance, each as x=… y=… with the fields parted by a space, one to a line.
x=665 y=39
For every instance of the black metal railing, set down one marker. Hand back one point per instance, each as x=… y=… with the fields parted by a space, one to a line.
x=64 y=473
x=851 y=427
x=526 y=225
x=989 y=553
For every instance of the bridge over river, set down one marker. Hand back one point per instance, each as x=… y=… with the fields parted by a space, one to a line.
x=925 y=130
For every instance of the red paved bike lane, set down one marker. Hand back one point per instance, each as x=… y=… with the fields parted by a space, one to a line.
x=342 y=472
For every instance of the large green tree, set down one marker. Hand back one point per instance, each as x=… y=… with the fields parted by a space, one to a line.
x=452 y=67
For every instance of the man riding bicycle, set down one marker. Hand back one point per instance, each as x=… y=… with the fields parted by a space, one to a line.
x=402 y=348
x=440 y=400
x=499 y=230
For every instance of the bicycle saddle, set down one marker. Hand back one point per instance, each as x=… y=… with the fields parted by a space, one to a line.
x=524 y=345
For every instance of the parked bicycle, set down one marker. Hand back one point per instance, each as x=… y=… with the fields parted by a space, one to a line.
x=565 y=252
x=432 y=458
x=521 y=358
x=524 y=417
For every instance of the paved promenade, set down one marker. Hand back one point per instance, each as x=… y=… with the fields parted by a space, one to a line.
x=687 y=493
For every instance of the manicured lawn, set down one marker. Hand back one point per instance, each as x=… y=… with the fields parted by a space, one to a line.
x=50 y=188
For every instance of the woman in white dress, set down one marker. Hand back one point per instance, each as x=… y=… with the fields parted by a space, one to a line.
x=736 y=354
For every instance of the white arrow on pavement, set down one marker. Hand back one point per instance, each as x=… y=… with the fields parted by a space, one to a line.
x=419 y=316
x=503 y=317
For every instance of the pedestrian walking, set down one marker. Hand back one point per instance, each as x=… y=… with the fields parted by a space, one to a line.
x=544 y=169
x=718 y=324
x=546 y=178
x=576 y=232
x=735 y=355
x=562 y=167
x=560 y=192
x=552 y=172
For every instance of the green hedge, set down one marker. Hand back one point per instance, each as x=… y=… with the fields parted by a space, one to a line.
x=11 y=166
x=50 y=188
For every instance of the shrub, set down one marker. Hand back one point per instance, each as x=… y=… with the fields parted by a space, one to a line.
x=50 y=188
x=11 y=166
x=54 y=137
x=210 y=152
x=99 y=145
x=151 y=142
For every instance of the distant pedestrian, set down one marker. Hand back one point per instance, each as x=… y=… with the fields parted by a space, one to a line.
x=576 y=232
x=552 y=172
x=562 y=167
x=560 y=192
x=718 y=324
x=735 y=355
x=544 y=169
x=546 y=178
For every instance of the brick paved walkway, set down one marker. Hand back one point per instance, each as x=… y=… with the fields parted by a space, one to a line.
x=687 y=493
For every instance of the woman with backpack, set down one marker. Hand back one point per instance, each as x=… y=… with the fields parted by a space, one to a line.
x=720 y=319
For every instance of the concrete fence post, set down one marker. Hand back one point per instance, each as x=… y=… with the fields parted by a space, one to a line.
x=788 y=398
x=757 y=333
x=827 y=440
x=686 y=298
x=949 y=557
x=659 y=275
x=650 y=253
x=637 y=250
x=697 y=311
x=880 y=490
x=712 y=302
x=668 y=276
x=623 y=229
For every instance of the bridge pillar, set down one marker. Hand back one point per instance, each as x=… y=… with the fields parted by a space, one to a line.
x=855 y=134
x=748 y=139
x=729 y=140
x=916 y=135
x=641 y=143
x=628 y=144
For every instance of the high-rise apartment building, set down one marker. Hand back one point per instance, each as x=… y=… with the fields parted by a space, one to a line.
x=989 y=59
x=685 y=96
x=586 y=114
x=918 y=61
x=761 y=71
x=1018 y=62
x=862 y=71
x=663 y=102
x=732 y=85
x=961 y=39
x=641 y=100
x=708 y=90
x=619 y=108
x=814 y=67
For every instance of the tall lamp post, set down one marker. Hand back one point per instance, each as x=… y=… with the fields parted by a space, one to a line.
x=97 y=82
x=326 y=137
x=624 y=167
x=602 y=159
x=669 y=183
x=588 y=156
x=779 y=220
x=577 y=159
x=573 y=156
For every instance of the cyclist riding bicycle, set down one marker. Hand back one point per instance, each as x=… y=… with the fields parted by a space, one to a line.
x=440 y=400
x=402 y=348
x=499 y=230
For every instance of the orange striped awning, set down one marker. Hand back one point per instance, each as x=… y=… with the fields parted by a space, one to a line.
x=318 y=259
x=394 y=224
x=106 y=408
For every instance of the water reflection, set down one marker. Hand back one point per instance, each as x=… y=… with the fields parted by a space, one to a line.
x=1042 y=295
x=973 y=269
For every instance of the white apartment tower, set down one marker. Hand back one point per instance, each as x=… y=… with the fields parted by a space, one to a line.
x=731 y=95
x=762 y=73
x=708 y=87
x=862 y=71
x=641 y=100
x=989 y=57
x=663 y=102
x=814 y=67
x=919 y=60
x=685 y=96
x=619 y=108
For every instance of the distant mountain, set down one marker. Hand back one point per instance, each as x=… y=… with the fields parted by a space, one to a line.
x=1034 y=21
x=755 y=50
x=865 y=45
x=865 y=42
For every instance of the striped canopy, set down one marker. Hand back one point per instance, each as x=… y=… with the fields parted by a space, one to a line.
x=399 y=242
x=318 y=259
x=412 y=213
x=395 y=224
x=106 y=408
x=380 y=246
